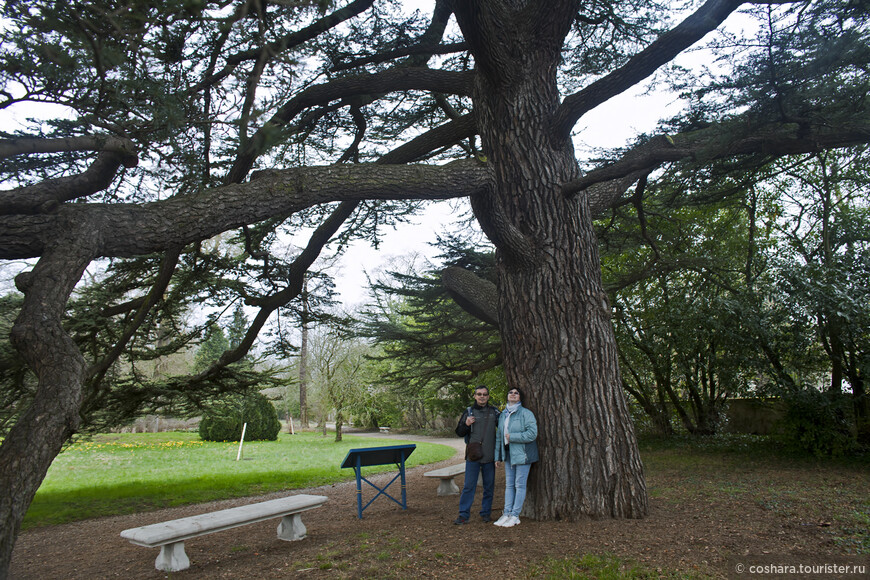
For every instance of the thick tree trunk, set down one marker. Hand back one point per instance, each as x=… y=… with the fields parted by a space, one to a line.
x=559 y=348
x=339 y=424
x=60 y=369
x=303 y=361
x=558 y=340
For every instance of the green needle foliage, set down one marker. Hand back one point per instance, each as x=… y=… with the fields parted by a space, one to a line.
x=253 y=414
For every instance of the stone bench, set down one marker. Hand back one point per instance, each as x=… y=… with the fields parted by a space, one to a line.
x=170 y=536
x=446 y=474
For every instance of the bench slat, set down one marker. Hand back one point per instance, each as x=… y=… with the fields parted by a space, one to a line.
x=449 y=471
x=190 y=527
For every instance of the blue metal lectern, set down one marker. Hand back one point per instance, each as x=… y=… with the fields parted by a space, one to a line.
x=359 y=458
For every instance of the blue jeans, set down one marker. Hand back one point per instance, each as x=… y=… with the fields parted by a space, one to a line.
x=515 y=478
x=472 y=469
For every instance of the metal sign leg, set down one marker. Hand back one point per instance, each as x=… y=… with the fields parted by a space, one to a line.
x=359 y=487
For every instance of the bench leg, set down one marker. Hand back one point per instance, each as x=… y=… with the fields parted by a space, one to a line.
x=172 y=558
x=447 y=487
x=291 y=528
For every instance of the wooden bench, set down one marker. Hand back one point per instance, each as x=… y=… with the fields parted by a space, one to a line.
x=170 y=536
x=446 y=475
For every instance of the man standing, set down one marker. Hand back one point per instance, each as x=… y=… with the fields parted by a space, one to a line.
x=478 y=424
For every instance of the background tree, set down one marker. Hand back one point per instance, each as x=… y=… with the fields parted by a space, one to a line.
x=304 y=322
x=680 y=270
x=271 y=109
x=236 y=328
x=214 y=344
x=824 y=266
x=316 y=298
x=433 y=349
x=338 y=372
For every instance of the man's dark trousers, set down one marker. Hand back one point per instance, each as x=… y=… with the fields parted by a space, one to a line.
x=472 y=469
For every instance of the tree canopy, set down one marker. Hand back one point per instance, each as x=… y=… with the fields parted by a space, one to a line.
x=184 y=120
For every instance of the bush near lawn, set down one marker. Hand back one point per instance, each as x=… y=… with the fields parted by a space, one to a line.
x=252 y=414
x=133 y=472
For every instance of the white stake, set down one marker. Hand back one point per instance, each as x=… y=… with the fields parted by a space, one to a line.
x=242 y=440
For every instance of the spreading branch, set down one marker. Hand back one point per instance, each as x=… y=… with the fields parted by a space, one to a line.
x=181 y=220
x=719 y=141
x=515 y=245
x=427 y=45
x=662 y=51
x=167 y=267
x=28 y=146
x=277 y=47
x=442 y=136
x=476 y=295
x=400 y=79
x=45 y=196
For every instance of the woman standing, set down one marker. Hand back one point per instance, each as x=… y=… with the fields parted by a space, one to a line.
x=515 y=446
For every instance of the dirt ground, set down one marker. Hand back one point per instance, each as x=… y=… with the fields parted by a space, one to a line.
x=705 y=537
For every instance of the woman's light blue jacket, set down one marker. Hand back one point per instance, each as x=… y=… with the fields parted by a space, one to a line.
x=523 y=429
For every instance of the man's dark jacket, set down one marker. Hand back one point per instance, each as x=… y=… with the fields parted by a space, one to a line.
x=483 y=429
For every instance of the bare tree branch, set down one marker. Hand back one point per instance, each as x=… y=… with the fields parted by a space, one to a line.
x=400 y=79
x=182 y=220
x=438 y=137
x=477 y=296
x=507 y=237
x=426 y=46
x=707 y=18
x=26 y=146
x=414 y=50
x=45 y=196
x=268 y=51
x=297 y=273
x=167 y=267
x=711 y=143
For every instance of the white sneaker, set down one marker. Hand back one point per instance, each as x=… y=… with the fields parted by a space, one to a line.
x=511 y=522
x=502 y=520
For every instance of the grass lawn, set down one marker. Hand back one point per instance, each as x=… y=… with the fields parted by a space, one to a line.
x=127 y=473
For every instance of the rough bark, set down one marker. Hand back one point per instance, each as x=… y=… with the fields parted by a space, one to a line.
x=60 y=369
x=178 y=221
x=475 y=295
x=557 y=337
x=303 y=362
x=721 y=141
x=47 y=195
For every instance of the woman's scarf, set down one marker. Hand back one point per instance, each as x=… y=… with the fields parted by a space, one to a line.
x=509 y=410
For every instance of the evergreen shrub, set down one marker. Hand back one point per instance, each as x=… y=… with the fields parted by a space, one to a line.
x=223 y=421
